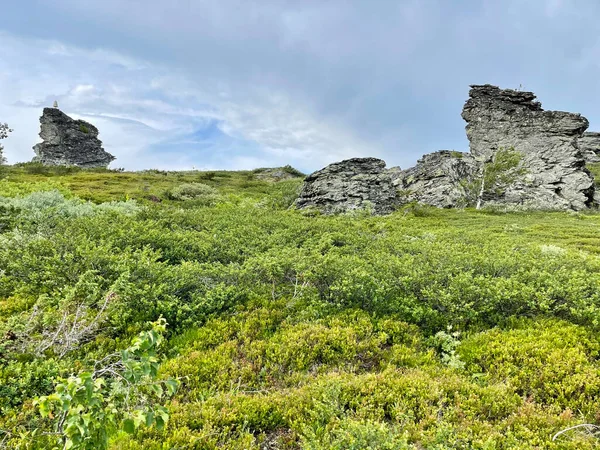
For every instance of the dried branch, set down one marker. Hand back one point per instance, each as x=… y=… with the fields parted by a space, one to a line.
x=72 y=330
x=590 y=430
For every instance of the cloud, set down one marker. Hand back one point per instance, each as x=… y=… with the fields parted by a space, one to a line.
x=229 y=83
x=143 y=109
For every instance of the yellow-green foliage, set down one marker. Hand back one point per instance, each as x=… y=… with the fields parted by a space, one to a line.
x=426 y=329
x=549 y=362
x=101 y=185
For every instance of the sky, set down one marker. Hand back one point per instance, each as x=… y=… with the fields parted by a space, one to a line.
x=242 y=84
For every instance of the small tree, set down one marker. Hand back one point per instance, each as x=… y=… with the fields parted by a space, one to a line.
x=120 y=392
x=496 y=175
x=4 y=131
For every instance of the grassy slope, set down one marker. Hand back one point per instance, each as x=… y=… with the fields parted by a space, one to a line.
x=104 y=185
x=319 y=332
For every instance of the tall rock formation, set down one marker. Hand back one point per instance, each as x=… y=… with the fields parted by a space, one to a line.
x=546 y=172
x=349 y=185
x=69 y=142
x=548 y=141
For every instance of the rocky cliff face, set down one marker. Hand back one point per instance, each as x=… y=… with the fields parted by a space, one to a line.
x=436 y=179
x=551 y=150
x=547 y=140
x=69 y=142
x=589 y=144
x=349 y=185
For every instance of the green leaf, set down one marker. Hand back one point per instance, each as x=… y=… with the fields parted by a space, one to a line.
x=149 y=418
x=160 y=423
x=129 y=426
x=139 y=418
x=172 y=386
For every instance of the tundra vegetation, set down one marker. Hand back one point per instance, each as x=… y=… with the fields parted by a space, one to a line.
x=197 y=310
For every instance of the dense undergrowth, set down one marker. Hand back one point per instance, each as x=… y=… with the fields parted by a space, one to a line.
x=426 y=329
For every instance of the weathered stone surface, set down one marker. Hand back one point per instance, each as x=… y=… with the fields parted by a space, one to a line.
x=349 y=185
x=589 y=144
x=548 y=140
x=69 y=142
x=436 y=179
x=551 y=173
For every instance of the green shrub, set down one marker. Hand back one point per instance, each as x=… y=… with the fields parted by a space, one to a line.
x=290 y=329
x=46 y=207
x=549 y=362
x=18 y=189
x=352 y=434
x=35 y=168
x=199 y=192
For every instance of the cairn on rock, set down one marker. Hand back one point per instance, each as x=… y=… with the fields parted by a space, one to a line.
x=69 y=142
x=547 y=140
x=357 y=183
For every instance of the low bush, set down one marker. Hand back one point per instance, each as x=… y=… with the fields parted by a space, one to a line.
x=423 y=329
x=201 y=193
x=548 y=362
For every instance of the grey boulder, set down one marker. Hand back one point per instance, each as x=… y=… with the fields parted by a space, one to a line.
x=353 y=184
x=589 y=144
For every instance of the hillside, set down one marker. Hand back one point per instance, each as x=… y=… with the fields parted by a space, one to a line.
x=286 y=329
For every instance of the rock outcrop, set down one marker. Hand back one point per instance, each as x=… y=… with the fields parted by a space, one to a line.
x=589 y=144
x=547 y=140
x=436 y=179
x=275 y=174
x=525 y=156
x=357 y=183
x=69 y=142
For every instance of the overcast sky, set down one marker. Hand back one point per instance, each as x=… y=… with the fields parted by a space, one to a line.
x=176 y=84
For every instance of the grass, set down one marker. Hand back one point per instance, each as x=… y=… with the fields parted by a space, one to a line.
x=147 y=186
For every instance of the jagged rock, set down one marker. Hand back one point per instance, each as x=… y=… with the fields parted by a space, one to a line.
x=349 y=185
x=550 y=173
x=548 y=140
x=589 y=144
x=69 y=142
x=436 y=179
